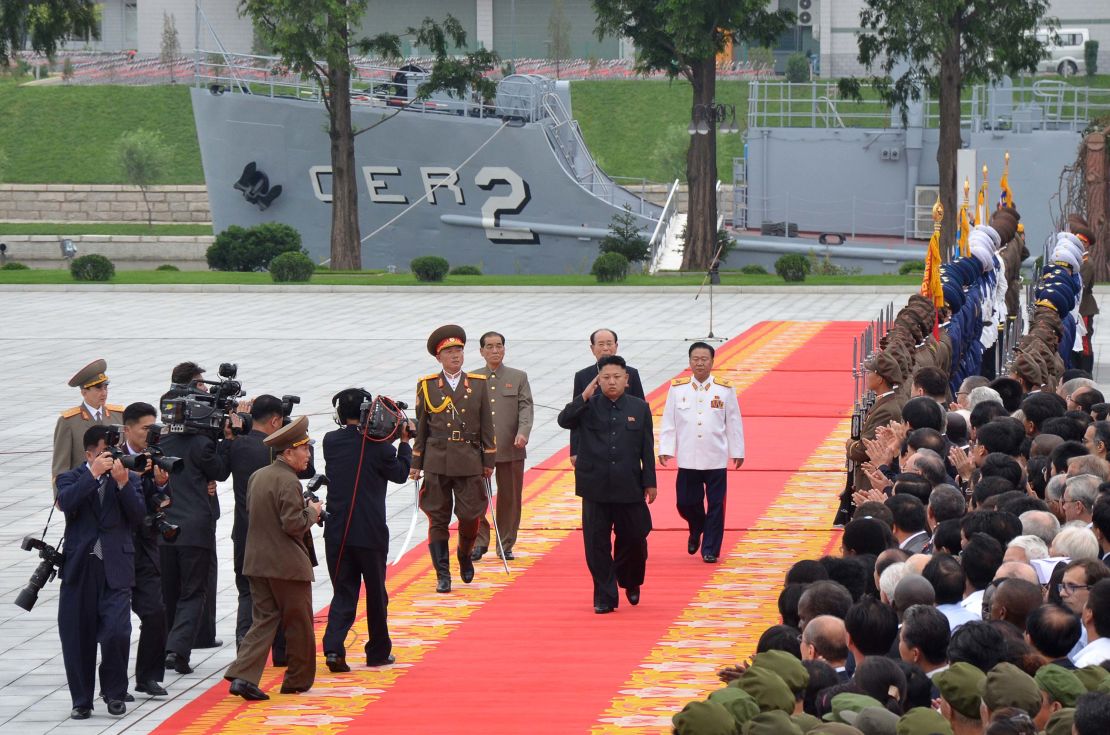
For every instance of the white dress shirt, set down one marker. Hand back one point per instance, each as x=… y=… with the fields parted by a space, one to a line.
x=1093 y=654
x=957 y=615
x=973 y=603
x=702 y=427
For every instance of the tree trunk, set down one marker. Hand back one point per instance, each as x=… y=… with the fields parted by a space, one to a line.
x=950 y=83
x=1095 y=175
x=701 y=175
x=346 y=248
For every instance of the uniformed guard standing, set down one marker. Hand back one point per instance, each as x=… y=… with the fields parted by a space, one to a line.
x=455 y=448
x=70 y=430
x=702 y=427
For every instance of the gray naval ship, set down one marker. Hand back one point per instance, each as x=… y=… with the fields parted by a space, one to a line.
x=508 y=186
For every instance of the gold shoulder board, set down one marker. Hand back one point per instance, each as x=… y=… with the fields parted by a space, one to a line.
x=71 y=412
x=115 y=408
x=478 y=376
x=680 y=381
x=722 y=382
x=433 y=376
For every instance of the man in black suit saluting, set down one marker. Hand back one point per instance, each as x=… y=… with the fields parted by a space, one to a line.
x=603 y=343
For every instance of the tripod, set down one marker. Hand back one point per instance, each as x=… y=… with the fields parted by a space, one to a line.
x=712 y=276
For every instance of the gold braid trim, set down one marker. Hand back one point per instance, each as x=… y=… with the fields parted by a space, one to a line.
x=428 y=401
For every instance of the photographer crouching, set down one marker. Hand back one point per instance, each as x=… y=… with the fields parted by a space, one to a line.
x=361 y=461
x=278 y=561
x=102 y=502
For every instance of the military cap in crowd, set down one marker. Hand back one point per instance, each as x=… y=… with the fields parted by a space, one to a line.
x=1026 y=368
x=767 y=689
x=1092 y=677
x=1008 y=686
x=805 y=722
x=1060 y=722
x=1084 y=233
x=849 y=702
x=834 y=728
x=774 y=722
x=704 y=718
x=293 y=434
x=1061 y=685
x=738 y=702
x=923 y=721
x=789 y=669
x=959 y=685
x=449 y=335
x=90 y=375
x=886 y=367
x=872 y=720
x=1005 y=224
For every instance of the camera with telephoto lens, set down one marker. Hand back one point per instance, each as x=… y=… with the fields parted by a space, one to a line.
x=157 y=455
x=133 y=462
x=196 y=411
x=287 y=403
x=155 y=518
x=310 y=495
x=381 y=418
x=44 y=572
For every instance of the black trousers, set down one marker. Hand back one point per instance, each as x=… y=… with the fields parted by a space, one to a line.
x=244 y=616
x=148 y=605
x=358 y=567
x=615 y=537
x=185 y=571
x=206 y=632
x=91 y=613
x=701 y=502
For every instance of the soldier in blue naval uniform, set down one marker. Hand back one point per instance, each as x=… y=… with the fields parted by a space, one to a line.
x=103 y=503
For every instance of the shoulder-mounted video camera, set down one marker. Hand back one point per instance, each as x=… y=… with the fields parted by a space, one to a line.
x=196 y=410
x=287 y=403
x=381 y=418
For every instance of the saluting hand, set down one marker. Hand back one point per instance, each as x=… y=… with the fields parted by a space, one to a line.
x=591 y=388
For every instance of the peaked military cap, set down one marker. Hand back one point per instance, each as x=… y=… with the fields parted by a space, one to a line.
x=449 y=335
x=90 y=375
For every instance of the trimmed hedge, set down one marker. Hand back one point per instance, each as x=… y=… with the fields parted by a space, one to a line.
x=429 y=268
x=610 y=267
x=466 y=270
x=792 y=268
x=92 y=268
x=16 y=266
x=291 y=267
x=251 y=249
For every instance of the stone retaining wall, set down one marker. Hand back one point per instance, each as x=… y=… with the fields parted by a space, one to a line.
x=127 y=252
x=102 y=203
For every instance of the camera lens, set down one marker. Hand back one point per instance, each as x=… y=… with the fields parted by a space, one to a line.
x=27 y=598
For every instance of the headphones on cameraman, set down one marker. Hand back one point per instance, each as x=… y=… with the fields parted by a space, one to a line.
x=360 y=392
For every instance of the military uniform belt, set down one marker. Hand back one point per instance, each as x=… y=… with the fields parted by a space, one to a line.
x=453 y=436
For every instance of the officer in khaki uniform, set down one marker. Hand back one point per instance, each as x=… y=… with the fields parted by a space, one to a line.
x=455 y=448
x=278 y=560
x=884 y=375
x=70 y=430
x=510 y=399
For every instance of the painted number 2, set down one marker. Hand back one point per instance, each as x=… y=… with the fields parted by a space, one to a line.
x=513 y=202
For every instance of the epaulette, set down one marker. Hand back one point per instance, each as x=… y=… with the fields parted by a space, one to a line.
x=478 y=376
x=70 y=413
x=722 y=382
x=681 y=381
x=115 y=408
x=422 y=378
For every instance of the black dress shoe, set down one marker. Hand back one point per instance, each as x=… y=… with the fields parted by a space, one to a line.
x=80 y=713
x=508 y=555
x=693 y=543
x=709 y=558
x=293 y=690
x=478 y=553
x=127 y=697
x=443 y=584
x=152 y=688
x=390 y=659
x=116 y=707
x=246 y=690
x=214 y=643
x=279 y=662
x=466 y=568
x=336 y=663
x=603 y=609
x=178 y=664
x=633 y=595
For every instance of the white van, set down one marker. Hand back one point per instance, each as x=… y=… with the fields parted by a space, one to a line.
x=1065 y=55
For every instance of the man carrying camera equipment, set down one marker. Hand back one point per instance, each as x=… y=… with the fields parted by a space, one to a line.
x=455 y=447
x=279 y=563
x=202 y=425
x=361 y=461
x=69 y=432
x=102 y=502
x=146 y=594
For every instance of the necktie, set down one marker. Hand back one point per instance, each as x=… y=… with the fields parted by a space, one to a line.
x=98 y=550
x=96 y=416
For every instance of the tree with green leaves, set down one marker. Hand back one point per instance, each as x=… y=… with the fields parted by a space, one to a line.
x=682 y=38
x=171 y=46
x=318 y=39
x=43 y=25
x=143 y=159
x=939 y=47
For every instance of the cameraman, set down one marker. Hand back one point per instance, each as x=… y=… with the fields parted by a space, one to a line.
x=187 y=563
x=356 y=538
x=102 y=503
x=146 y=594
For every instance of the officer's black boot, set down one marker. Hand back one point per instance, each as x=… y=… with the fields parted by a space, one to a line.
x=441 y=560
x=466 y=566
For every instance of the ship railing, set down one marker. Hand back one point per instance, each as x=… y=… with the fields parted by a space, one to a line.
x=593 y=178
x=1045 y=104
x=655 y=244
x=850 y=216
x=819 y=104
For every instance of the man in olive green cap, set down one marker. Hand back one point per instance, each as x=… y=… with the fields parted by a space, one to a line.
x=771 y=723
x=1060 y=722
x=768 y=690
x=872 y=720
x=849 y=702
x=1008 y=686
x=805 y=721
x=923 y=721
x=959 y=686
x=738 y=702
x=789 y=669
x=69 y=431
x=1059 y=690
x=704 y=718
x=1092 y=677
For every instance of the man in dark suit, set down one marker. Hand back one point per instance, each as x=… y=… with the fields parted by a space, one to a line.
x=614 y=475
x=603 y=342
x=356 y=538
x=102 y=503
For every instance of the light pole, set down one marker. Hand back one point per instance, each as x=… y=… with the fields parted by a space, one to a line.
x=714 y=114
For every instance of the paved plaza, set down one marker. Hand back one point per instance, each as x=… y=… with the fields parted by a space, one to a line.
x=312 y=344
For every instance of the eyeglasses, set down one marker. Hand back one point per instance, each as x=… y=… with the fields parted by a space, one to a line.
x=1070 y=588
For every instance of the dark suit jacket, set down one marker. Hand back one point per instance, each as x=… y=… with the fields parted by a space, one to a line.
x=583 y=377
x=247 y=455
x=381 y=464
x=112 y=521
x=193 y=509
x=146 y=537
x=616 y=451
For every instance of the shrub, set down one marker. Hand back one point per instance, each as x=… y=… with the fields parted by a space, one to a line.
x=251 y=249
x=466 y=270
x=167 y=267
x=610 y=267
x=143 y=158
x=1090 y=57
x=429 y=268
x=792 y=268
x=754 y=269
x=797 y=68
x=291 y=266
x=911 y=266
x=625 y=237
x=92 y=268
x=16 y=266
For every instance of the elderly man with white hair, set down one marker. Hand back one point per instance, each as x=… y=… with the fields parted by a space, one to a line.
x=1026 y=549
x=890 y=578
x=982 y=394
x=1075 y=542
x=1080 y=494
x=1070 y=386
x=1054 y=496
x=1040 y=523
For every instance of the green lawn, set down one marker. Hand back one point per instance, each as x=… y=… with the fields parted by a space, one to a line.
x=377 y=278
x=102 y=228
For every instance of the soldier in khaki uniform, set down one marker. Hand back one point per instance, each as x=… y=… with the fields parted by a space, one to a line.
x=455 y=447
x=510 y=399
x=278 y=560
x=883 y=376
x=70 y=430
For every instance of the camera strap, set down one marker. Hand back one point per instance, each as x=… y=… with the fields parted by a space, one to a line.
x=354 y=496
